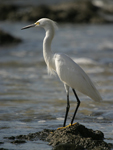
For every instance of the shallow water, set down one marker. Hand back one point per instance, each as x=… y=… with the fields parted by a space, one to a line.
x=31 y=100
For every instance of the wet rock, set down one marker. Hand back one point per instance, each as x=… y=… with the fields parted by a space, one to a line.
x=11 y=138
x=1 y=143
x=68 y=147
x=43 y=12
x=7 y=10
x=7 y=39
x=79 y=136
x=42 y=135
x=76 y=137
x=18 y=142
x=74 y=12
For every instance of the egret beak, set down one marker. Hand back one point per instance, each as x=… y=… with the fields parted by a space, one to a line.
x=32 y=25
x=29 y=26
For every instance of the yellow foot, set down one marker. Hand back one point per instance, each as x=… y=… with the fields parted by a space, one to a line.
x=74 y=123
x=67 y=126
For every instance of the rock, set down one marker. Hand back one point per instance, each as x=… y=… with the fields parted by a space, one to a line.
x=1 y=143
x=74 y=12
x=68 y=147
x=76 y=137
x=66 y=135
x=6 y=11
x=18 y=142
x=7 y=39
x=79 y=136
x=43 y=12
x=12 y=138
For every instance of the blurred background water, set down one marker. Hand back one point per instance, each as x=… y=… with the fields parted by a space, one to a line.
x=31 y=100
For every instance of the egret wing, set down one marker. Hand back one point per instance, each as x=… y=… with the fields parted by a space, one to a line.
x=73 y=75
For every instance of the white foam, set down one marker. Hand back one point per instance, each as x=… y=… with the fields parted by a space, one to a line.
x=41 y=121
x=47 y=76
x=95 y=70
x=84 y=61
x=106 y=45
x=100 y=118
x=92 y=105
x=60 y=118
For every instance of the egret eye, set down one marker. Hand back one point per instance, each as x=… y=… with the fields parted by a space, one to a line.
x=37 y=23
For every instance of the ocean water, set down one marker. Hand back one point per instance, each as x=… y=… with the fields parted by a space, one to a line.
x=31 y=100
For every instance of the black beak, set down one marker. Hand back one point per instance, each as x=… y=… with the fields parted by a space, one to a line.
x=29 y=26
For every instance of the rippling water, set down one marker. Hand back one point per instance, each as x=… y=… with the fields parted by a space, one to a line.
x=31 y=100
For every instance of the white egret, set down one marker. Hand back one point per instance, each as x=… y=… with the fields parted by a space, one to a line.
x=70 y=73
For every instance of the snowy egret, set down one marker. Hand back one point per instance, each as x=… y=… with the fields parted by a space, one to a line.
x=70 y=73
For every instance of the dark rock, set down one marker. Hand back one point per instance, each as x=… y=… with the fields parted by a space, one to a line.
x=1 y=143
x=6 y=11
x=74 y=12
x=76 y=137
x=43 y=11
x=42 y=135
x=7 y=39
x=3 y=149
x=18 y=142
x=80 y=136
x=68 y=147
x=11 y=138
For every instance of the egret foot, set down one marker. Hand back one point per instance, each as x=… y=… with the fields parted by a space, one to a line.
x=67 y=126
x=74 y=124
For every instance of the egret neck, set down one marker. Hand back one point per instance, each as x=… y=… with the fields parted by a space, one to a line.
x=47 y=53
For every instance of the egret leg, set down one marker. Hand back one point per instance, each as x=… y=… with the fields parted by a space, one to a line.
x=78 y=104
x=67 y=110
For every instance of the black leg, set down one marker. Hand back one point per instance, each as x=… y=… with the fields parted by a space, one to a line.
x=67 y=110
x=78 y=104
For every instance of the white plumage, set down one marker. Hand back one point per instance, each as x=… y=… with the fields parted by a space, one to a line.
x=72 y=75
x=67 y=70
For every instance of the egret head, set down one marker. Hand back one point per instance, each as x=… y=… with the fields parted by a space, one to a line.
x=44 y=23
